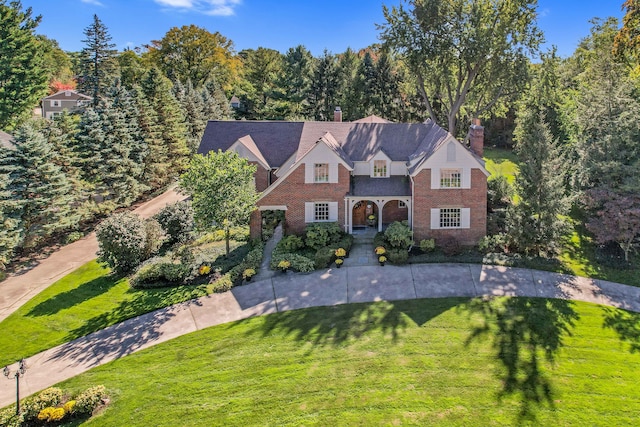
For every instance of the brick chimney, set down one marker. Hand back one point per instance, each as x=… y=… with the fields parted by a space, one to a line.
x=476 y=137
x=337 y=115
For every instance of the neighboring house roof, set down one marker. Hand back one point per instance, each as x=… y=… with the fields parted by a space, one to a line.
x=70 y=95
x=6 y=140
x=363 y=185
x=234 y=100
x=357 y=141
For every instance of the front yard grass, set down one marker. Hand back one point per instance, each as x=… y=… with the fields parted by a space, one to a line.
x=87 y=300
x=449 y=362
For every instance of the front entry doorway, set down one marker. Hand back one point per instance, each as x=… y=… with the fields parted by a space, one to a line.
x=361 y=212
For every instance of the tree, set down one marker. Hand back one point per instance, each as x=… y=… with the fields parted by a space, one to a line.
x=466 y=55
x=10 y=209
x=324 y=87
x=295 y=81
x=42 y=189
x=262 y=70
x=627 y=41
x=98 y=63
x=57 y=65
x=171 y=123
x=23 y=78
x=616 y=219
x=222 y=190
x=193 y=53
x=536 y=223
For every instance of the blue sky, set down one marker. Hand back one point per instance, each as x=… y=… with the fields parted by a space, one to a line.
x=317 y=24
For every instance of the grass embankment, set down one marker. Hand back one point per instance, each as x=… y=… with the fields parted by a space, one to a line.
x=447 y=362
x=87 y=300
x=578 y=254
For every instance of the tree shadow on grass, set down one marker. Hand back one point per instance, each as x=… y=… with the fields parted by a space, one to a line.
x=73 y=297
x=102 y=338
x=524 y=333
x=626 y=324
x=337 y=325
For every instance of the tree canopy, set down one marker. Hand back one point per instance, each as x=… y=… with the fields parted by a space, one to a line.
x=466 y=55
x=222 y=190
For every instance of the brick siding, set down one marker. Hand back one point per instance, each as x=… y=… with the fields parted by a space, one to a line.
x=474 y=198
x=391 y=212
x=293 y=193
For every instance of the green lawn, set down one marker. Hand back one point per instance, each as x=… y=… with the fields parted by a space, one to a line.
x=84 y=301
x=499 y=161
x=453 y=362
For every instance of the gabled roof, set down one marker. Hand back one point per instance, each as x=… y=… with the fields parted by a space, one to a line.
x=6 y=140
x=248 y=142
x=372 y=119
x=70 y=95
x=279 y=140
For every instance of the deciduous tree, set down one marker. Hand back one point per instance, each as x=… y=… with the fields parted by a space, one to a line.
x=466 y=55
x=222 y=190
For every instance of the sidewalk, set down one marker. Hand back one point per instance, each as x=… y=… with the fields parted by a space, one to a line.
x=292 y=291
x=20 y=287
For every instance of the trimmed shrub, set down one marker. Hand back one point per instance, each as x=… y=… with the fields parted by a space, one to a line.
x=176 y=220
x=499 y=193
x=495 y=243
x=223 y=284
x=345 y=242
x=427 y=245
x=122 y=241
x=380 y=240
x=399 y=235
x=159 y=272
x=397 y=256
x=89 y=400
x=450 y=246
x=155 y=237
x=318 y=235
x=323 y=257
x=290 y=243
x=298 y=262
x=74 y=236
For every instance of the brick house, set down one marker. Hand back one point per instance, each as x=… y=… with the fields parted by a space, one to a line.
x=369 y=172
x=69 y=100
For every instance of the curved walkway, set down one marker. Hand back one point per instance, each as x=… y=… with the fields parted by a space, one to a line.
x=23 y=285
x=291 y=291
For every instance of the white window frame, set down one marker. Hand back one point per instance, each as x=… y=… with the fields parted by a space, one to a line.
x=439 y=222
x=450 y=178
x=56 y=103
x=321 y=212
x=380 y=171
x=402 y=204
x=311 y=209
x=321 y=173
x=450 y=218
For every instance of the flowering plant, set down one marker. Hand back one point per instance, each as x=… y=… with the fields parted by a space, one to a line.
x=248 y=273
x=204 y=270
x=371 y=217
x=380 y=250
x=339 y=261
x=382 y=258
x=284 y=264
x=340 y=252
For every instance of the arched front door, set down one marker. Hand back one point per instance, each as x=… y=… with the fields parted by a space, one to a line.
x=361 y=213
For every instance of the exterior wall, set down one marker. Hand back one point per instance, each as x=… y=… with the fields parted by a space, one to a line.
x=261 y=177
x=66 y=104
x=293 y=193
x=391 y=212
x=255 y=224
x=425 y=199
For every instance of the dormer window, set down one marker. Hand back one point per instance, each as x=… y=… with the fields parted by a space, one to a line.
x=321 y=172
x=380 y=169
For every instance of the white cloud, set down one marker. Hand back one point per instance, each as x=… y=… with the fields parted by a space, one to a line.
x=93 y=2
x=207 y=7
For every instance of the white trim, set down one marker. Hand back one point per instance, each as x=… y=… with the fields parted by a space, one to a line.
x=465 y=219
x=272 y=208
x=463 y=156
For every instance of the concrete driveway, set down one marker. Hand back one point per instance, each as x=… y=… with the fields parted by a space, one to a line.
x=23 y=285
x=291 y=291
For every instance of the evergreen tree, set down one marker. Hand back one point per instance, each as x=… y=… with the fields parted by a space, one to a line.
x=192 y=107
x=324 y=87
x=366 y=87
x=295 y=82
x=387 y=87
x=348 y=96
x=171 y=122
x=39 y=184
x=10 y=214
x=98 y=64
x=536 y=223
x=215 y=103
x=111 y=155
x=23 y=78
